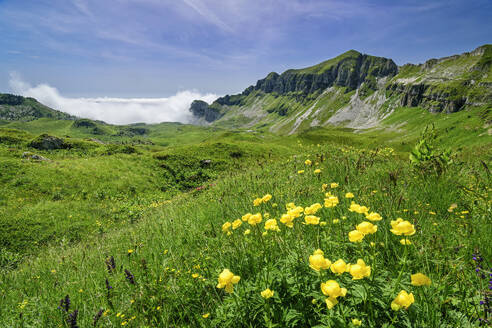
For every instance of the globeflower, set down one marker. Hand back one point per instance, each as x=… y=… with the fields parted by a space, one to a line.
x=366 y=228
x=295 y=212
x=359 y=270
x=356 y=322
x=267 y=293
x=331 y=201
x=247 y=232
x=405 y=241
x=402 y=227
x=355 y=236
x=317 y=171
x=236 y=224
x=287 y=220
x=271 y=224
x=290 y=206
x=373 y=216
x=324 y=186
x=402 y=300
x=420 y=279
x=226 y=280
x=254 y=219
x=333 y=185
x=333 y=290
x=226 y=226
x=308 y=162
x=300 y=172
x=257 y=202
x=245 y=217
x=312 y=209
x=318 y=262
x=311 y=219
x=339 y=267
x=349 y=195
x=266 y=198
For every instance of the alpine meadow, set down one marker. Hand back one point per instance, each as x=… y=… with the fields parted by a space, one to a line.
x=352 y=193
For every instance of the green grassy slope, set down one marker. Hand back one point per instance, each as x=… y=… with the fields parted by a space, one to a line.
x=175 y=253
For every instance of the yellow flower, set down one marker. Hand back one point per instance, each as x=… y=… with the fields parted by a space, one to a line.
x=247 y=231
x=296 y=211
x=311 y=219
x=317 y=171
x=287 y=220
x=331 y=201
x=254 y=219
x=373 y=216
x=195 y=275
x=267 y=293
x=206 y=315
x=331 y=288
x=308 y=162
x=227 y=279
x=300 y=171
x=402 y=227
x=452 y=207
x=331 y=302
x=358 y=209
x=356 y=322
x=333 y=185
x=405 y=241
x=264 y=233
x=420 y=279
x=359 y=270
x=367 y=228
x=271 y=225
x=245 y=217
x=335 y=221
x=130 y=251
x=339 y=267
x=349 y=195
x=226 y=226
x=403 y=300
x=312 y=209
x=236 y=224
x=290 y=206
x=355 y=236
x=266 y=198
x=318 y=262
x=322 y=223
x=324 y=186
x=257 y=202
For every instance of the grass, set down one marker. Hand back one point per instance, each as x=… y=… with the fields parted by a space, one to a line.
x=174 y=251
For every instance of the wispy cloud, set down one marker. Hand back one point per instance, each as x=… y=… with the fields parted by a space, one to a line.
x=114 y=110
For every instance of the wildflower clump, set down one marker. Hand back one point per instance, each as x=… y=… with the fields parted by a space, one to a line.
x=226 y=280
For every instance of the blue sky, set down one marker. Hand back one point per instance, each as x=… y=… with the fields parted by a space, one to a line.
x=156 y=48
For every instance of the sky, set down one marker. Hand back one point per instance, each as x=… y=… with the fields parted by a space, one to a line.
x=146 y=60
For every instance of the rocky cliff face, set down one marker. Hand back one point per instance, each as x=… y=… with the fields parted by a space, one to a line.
x=350 y=71
x=201 y=109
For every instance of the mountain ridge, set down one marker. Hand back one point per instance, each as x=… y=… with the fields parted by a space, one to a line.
x=354 y=90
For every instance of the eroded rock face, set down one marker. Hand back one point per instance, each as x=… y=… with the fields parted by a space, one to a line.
x=350 y=72
x=201 y=109
x=47 y=142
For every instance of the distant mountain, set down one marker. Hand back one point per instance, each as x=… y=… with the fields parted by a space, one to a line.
x=18 y=108
x=354 y=90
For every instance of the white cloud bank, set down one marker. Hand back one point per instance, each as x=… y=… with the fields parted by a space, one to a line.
x=114 y=110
